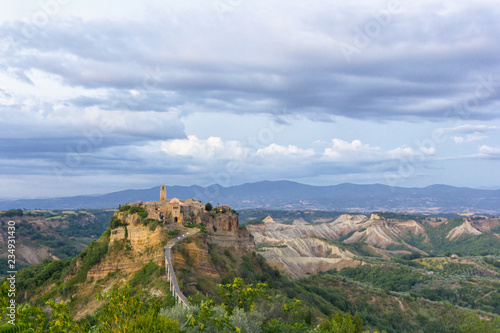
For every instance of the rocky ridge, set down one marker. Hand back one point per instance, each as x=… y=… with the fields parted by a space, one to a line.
x=465 y=228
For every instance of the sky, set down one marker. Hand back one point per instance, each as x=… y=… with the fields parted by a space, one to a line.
x=97 y=97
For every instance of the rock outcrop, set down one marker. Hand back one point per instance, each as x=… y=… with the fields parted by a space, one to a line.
x=464 y=229
x=303 y=256
x=223 y=230
x=300 y=248
x=130 y=248
x=200 y=257
x=375 y=234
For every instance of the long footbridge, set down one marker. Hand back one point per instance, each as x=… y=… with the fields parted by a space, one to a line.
x=174 y=286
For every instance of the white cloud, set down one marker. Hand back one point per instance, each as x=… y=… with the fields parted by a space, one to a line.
x=489 y=152
x=469 y=137
x=467 y=133
x=216 y=150
x=344 y=151
x=211 y=148
x=428 y=151
x=274 y=150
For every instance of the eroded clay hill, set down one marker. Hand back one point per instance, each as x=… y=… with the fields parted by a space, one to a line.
x=303 y=248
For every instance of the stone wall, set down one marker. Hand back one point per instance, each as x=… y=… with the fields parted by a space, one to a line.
x=220 y=222
x=223 y=230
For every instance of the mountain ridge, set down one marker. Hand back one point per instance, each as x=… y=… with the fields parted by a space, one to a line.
x=292 y=195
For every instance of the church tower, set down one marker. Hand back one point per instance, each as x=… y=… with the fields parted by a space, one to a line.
x=163 y=193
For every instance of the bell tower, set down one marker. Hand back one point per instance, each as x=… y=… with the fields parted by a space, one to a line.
x=163 y=193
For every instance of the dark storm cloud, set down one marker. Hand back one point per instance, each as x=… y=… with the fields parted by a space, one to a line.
x=419 y=66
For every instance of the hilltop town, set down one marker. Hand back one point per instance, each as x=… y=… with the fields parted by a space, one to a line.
x=190 y=211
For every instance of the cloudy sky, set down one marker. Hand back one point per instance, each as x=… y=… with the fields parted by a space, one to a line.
x=109 y=95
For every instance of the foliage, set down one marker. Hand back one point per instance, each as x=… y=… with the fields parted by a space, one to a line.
x=256 y=221
x=235 y=315
x=342 y=323
x=473 y=324
x=211 y=318
x=124 y=208
x=125 y=312
x=75 y=228
x=35 y=276
x=61 y=320
x=142 y=275
x=8 y=328
x=115 y=222
x=91 y=256
x=493 y=262
x=400 y=216
x=152 y=223
x=174 y=233
x=236 y=295
x=136 y=209
x=34 y=319
x=208 y=206
x=385 y=277
x=228 y=254
x=12 y=213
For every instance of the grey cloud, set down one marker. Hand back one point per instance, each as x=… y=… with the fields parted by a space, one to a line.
x=420 y=66
x=468 y=129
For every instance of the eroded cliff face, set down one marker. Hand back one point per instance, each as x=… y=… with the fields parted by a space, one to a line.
x=305 y=256
x=464 y=229
x=195 y=251
x=299 y=248
x=225 y=222
x=223 y=230
x=130 y=248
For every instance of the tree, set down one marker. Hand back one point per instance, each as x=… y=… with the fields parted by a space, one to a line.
x=474 y=324
x=208 y=207
x=342 y=323
x=236 y=295
x=61 y=320
x=125 y=312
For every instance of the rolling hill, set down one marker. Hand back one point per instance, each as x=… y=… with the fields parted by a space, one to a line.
x=291 y=195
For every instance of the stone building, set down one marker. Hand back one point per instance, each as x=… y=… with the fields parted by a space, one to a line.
x=174 y=210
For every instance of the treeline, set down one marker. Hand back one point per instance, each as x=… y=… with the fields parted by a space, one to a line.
x=12 y=212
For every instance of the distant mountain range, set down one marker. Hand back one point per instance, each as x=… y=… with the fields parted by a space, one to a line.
x=292 y=195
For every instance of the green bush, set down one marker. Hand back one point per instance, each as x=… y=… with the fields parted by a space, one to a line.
x=91 y=256
x=144 y=274
x=152 y=223
x=115 y=222
x=174 y=233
